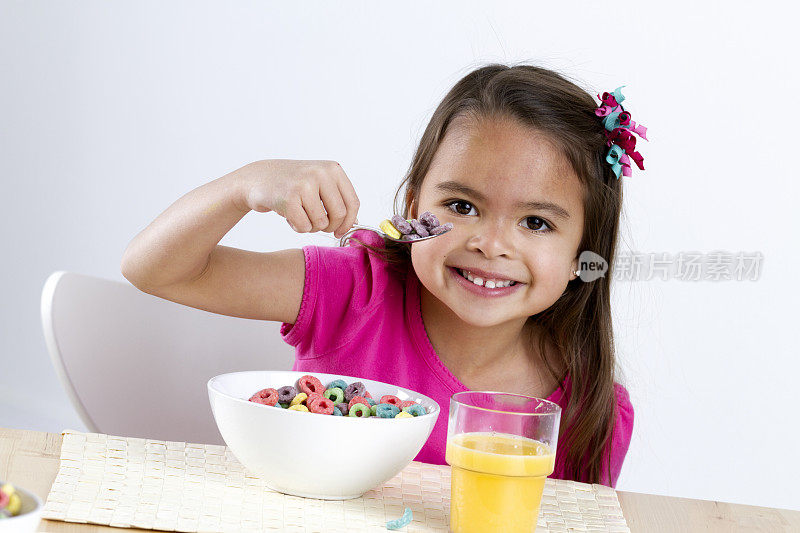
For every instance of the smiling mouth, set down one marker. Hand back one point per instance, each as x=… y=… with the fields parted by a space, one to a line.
x=488 y=283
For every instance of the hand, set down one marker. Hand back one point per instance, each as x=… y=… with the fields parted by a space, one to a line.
x=310 y=195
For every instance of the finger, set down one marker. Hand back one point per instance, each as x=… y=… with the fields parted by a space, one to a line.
x=334 y=205
x=351 y=202
x=296 y=216
x=315 y=211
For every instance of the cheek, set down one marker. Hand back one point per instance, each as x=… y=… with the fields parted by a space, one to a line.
x=550 y=266
x=421 y=261
x=427 y=260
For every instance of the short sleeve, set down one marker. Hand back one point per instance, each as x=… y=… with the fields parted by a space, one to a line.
x=621 y=436
x=342 y=285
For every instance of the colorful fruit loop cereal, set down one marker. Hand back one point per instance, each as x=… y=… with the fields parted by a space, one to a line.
x=404 y=520
x=336 y=395
x=286 y=394
x=357 y=399
x=309 y=384
x=322 y=406
x=416 y=410
x=359 y=410
x=10 y=502
x=265 y=397
x=354 y=389
x=337 y=399
x=410 y=230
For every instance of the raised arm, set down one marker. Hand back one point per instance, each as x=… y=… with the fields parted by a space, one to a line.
x=178 y=258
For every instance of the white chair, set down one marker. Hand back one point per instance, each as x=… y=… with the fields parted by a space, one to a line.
x=136 y=365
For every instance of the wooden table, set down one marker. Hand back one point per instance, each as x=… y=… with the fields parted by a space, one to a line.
x=30 y=459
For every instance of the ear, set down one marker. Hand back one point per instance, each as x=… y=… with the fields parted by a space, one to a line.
x=573 y=269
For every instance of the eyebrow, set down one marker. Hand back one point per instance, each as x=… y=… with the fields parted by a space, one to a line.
x=459 y=188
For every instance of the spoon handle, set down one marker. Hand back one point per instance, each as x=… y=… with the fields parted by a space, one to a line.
x=355 y=228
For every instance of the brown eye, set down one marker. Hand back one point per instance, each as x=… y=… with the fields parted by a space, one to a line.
x=461 y=207
x=535 y=223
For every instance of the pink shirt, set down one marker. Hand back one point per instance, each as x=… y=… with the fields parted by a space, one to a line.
x=358 y=317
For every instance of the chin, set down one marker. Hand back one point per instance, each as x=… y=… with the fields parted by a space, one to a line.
x=483 y=319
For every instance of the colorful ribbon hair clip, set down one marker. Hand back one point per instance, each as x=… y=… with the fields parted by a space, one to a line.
x=619 y=130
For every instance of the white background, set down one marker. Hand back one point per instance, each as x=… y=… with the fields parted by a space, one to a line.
x=110 y=111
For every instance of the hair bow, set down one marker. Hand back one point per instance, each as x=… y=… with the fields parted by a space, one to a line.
x=619 y=130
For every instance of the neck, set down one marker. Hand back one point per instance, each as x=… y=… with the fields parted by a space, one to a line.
x=471 y=352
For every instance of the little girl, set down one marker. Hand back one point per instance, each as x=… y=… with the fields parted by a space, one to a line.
x=517 y=159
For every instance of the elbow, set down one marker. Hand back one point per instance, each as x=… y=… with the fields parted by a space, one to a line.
x=129 y=270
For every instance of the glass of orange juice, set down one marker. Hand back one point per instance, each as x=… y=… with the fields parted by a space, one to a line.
x=501 y=447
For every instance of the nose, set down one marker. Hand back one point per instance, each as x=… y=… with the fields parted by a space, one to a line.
x=491 y=239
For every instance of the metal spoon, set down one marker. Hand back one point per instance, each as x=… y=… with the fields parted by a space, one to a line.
x=380 y=232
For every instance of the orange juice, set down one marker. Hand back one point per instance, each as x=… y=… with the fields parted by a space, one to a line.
x=497 y=481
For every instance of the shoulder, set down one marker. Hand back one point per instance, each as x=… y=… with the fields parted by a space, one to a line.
x=623 y=399
x=343 y=286
x=357 y=270
x=623 y=423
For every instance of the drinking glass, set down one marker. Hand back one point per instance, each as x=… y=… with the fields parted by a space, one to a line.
x=501 y=447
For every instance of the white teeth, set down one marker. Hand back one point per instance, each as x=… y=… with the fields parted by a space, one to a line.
x=490 y=283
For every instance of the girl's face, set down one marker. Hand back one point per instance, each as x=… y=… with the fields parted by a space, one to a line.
x=517 y=210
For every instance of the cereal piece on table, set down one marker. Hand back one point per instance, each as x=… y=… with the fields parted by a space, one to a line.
x=286 y=394
x=299 y=399
x=403 y=414
x=404 y=520
x=354 y=389
x=309 y=384
x=359 y=410
x=428 y=220
x=444 y=228
x=265 y=397
x=419 y=229
x=302 y=408
x=402 y=225
x=388 y=228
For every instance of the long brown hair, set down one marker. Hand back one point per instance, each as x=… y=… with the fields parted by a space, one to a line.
x=579 y=322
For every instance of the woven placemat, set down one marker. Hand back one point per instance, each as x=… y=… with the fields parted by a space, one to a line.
x=178 y=486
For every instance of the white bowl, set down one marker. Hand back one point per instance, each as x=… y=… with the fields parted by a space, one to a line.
x=313 y=455
x=30 y=514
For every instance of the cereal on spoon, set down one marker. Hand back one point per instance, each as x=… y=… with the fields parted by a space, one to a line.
x=410 y=230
